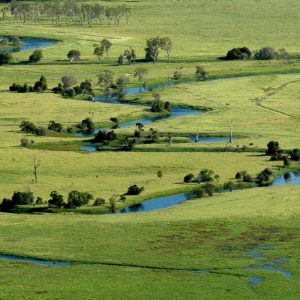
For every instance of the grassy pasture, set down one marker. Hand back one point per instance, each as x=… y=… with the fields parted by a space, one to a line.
x=212 y=233
x=209 y=234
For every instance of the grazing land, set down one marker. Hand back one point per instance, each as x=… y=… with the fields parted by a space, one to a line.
x=237 y=237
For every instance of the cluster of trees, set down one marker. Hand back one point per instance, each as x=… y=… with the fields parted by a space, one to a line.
x=102 y=48
x=205 y=175
x=39 y=86
x=127 y=57
x=87 y=126
x=75 y=199
x=105 y=136
x=154 y=45
x=18 y=198
x=68 y=87
x=265 y=53
x=244 y=176
x=36 y=56
x=134 y=190
x=29 y=127
x=160 y=106
x=72 y=11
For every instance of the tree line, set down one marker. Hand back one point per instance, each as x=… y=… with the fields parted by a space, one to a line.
x=70 y=11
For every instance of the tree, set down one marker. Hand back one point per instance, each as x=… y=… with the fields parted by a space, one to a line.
x=56 y=200
x=68 y=81
x=106 y=44
x=166 y=44
x=189 y=178
x=5 y=58
x=159 y=174
x=99 y=202
x=273 y=148
x=134 y=190
x=139 y=130
x=23 y=198
x=201 y=73
x=55 y=126
x=121 y=83
x=238 y=53
x=87 y=126
x=295 y=154
x=140 y=73
x=266 y=53
x=130 y=55
x=99 y=52
x=113 y=204
x=40 y=85
x=206 y=175
x=75 y=199
x=73 y=55
x=105 y=79
x=36 y=56
x=152 y=49
x=103 y=136
x=36 y=164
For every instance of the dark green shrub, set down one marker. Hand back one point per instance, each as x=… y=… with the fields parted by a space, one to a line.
x=103 y=136
x=5 y=58
x=40 y=85
x=36 y=56
x=134 y=190
x=238 y=53
x=56 y=200
x=55 y=126
x=39 y=200
x=6 y=205
x=189 y=178
x=23 y=198
x=99 y=202
x=41 y=131
x=266 y=53
x=295 y=154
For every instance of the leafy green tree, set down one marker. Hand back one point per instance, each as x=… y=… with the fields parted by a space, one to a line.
x=189 y=178
x=134 y=190
x=106 y=44
x=121 y=83
x=55 y=126
x=68 y=81
x=152 y=49
x=159 y=174
x=40 y=85
x=238 y=53
x=140 y=73
x=266 y=53
x=73 y=55
x=99 y=52
x=75 y=199
x=5 y=58
x=166 y=44
x=57 y=200
x=36 y=56
x=23 y=198
x=105 y=80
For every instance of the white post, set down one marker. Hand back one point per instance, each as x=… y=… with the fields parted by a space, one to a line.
x=230 y=137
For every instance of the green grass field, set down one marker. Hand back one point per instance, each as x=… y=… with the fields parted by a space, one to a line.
x=130 y=256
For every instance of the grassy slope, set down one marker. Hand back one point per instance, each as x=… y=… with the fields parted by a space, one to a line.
x=209 y=234
x=212 y=233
